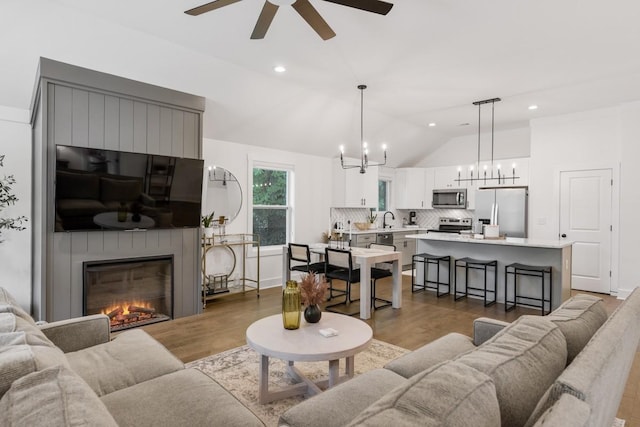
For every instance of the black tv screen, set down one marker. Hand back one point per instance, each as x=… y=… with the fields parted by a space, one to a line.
x=99 y=189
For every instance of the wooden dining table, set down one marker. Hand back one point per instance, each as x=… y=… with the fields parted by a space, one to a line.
x=365 y=258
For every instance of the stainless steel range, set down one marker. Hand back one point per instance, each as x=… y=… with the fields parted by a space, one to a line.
x=453 y=225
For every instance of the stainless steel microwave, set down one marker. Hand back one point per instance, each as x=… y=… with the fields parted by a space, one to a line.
x=451 y=198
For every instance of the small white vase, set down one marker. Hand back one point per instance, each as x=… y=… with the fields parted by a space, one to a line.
x=208 y=232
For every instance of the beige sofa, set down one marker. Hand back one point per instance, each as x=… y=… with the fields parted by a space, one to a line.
x=72 y=373
x=565 y=369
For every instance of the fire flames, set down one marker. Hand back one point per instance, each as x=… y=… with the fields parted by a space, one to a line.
x=126 y=313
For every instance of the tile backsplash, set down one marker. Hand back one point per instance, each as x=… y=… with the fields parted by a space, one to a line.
x=427 y=218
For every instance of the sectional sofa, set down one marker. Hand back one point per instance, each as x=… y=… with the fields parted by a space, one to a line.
x=72 y=373
x=567 y=369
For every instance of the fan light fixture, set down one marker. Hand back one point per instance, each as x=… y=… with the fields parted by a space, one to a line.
x=364 y=150
x=501 y=176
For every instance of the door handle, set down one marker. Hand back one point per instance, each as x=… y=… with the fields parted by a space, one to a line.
x=563 y=235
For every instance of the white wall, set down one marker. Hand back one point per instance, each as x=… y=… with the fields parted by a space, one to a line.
x=15 y=251
x=312 y=196
x=629 y=276
x=507 y=144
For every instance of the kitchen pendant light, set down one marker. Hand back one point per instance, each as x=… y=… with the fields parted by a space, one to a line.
x=364 y=151
x=502 y=177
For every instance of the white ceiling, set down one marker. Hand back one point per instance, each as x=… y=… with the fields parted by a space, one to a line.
x=426 y=61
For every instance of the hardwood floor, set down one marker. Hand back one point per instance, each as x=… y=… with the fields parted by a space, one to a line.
x=422 y=319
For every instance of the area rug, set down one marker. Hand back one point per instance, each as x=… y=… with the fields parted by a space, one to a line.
x=237 y=371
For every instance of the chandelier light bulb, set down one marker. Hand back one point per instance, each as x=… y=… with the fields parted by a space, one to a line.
x=471 y=168
x=384 y=147
x=342 y=149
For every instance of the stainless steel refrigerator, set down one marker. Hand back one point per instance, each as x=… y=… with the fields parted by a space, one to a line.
x=512 y=206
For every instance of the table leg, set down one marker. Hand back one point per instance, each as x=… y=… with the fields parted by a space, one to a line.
x=349 y=368
x=286 y=274
x=334 y=372
x=263 y=380
x=397 y=285
x=365 y=289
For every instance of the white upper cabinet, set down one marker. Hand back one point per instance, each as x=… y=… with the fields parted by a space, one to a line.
x=413 y=188
x=352 y=189
x=445 y=177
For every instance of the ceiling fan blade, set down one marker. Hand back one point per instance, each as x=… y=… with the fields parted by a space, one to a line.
x=264 y=20
x=375 y=6
x=313 y=18
x=216 y=4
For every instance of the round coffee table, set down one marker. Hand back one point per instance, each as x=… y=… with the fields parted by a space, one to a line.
x=269 y=338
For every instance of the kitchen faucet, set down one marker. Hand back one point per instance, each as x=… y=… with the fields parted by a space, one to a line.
x=384 y=219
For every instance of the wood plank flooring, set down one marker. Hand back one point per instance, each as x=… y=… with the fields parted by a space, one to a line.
x=422 y=319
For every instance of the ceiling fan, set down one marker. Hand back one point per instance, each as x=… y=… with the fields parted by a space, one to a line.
x=304 y=9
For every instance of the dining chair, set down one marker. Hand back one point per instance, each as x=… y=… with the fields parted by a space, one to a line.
x=339 y=265
x=300 y=259
x=380 y=273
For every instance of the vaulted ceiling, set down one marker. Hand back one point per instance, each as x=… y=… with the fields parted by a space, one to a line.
x=425 y=62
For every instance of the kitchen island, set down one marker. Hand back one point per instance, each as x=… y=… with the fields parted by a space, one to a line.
x=555 y=253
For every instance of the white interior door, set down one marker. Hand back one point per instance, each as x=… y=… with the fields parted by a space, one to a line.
x=585 y=218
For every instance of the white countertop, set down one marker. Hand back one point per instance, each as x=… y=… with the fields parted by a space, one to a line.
x=509 y=241
x=354 y=230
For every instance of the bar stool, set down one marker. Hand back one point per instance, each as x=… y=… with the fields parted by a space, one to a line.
x=427 y=259
x=476 y=264
x=517 y=269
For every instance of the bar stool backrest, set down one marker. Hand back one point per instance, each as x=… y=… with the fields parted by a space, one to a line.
x=389 y=248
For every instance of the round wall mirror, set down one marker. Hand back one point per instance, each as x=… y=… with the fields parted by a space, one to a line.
x=224 y=195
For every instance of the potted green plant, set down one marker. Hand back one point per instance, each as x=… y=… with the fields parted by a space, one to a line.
x=207 y=223
x=7 y=198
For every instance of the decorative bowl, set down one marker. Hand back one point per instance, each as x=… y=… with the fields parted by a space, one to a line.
x=362 y=225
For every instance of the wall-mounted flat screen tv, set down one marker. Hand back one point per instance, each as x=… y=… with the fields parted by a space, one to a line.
x=99 y=189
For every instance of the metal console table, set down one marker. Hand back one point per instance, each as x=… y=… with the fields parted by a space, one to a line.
x=216 y=285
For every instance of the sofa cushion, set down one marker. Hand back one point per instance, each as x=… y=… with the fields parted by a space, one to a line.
x=427 y=356
x=8 y=304
x=343 y=402
x=63 y=399
x=71 y=185
x=132 y=357
x=18 y=359
x=184 y=398
x=79 y=207
x=523 y=360
x=598 y=373
x=10 y=322
x=120 y=190
x=578 y=319
x=568 y=411
x=450 y=394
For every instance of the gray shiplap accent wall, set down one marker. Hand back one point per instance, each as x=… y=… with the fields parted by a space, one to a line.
x=91 y=116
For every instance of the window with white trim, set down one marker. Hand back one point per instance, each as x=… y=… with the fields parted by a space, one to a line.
x=272 y=204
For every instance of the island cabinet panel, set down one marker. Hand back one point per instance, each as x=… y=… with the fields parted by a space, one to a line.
x=554 y=253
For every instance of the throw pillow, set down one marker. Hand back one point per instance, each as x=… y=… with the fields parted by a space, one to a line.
x=523 y=360
x=449 y=394
x=56 y=397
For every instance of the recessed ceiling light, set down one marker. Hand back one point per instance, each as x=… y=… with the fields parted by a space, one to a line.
x=279 y=69
x=431 y=124
x=533 y=107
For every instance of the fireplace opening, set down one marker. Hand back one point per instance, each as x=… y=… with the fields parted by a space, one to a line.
x=132 y=292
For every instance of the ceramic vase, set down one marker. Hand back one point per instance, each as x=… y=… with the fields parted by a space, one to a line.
x=312 y=313
x=291 y=305
x=208 y=232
